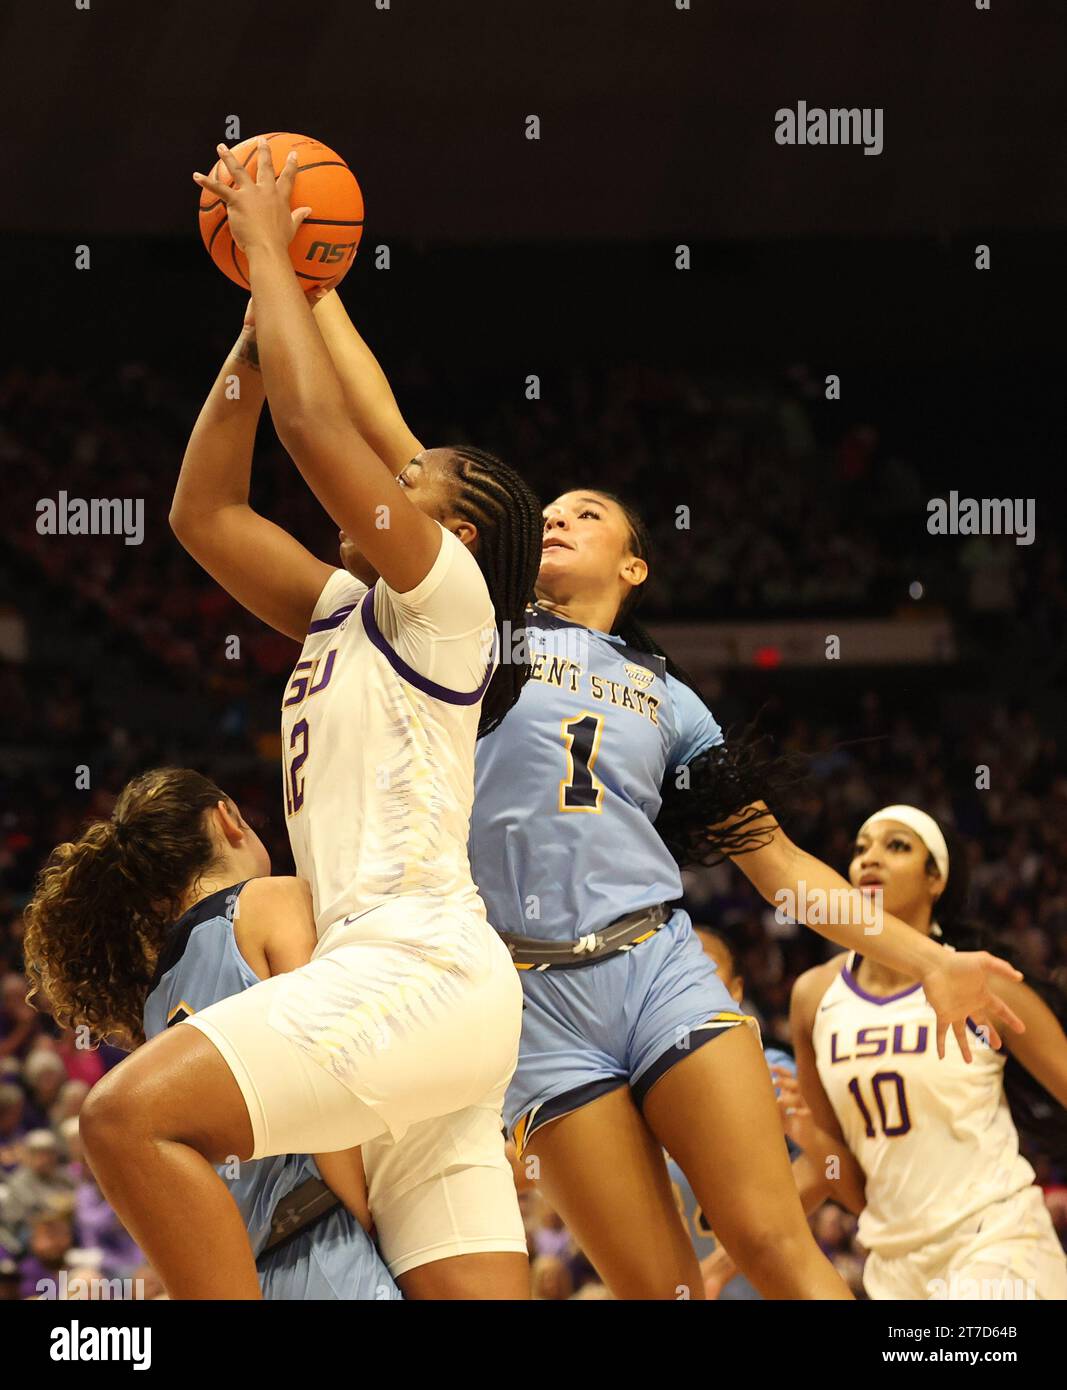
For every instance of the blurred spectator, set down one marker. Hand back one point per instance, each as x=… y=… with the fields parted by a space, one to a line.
x=51 y=1237
x=97 y=1225
x=20 y=1024
x=550 y=1278
x=44 y=1074
x=68 y=1104
x=12 y=1123
x=39 y=1180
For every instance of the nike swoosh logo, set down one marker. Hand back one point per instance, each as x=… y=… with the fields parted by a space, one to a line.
x=824 y=1007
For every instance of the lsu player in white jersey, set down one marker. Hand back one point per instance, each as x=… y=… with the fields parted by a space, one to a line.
x=929 y=1150
x=401 y=1033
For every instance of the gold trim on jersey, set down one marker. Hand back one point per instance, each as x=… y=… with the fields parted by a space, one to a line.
x=596 y=785
x=178 y=1007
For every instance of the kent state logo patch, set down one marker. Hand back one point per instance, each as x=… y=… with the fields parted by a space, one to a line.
x=640 y=675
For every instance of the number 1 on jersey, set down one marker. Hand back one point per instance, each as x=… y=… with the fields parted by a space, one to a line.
x=580 y=790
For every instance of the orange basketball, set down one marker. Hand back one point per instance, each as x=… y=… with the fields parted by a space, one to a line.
x=325 y=244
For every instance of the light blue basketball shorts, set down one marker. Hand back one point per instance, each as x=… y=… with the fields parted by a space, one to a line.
x=625 y=1020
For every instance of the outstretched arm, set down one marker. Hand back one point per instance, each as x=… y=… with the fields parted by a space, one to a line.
x=265 y=569
x=956 y=983
x=368 y=396
x=1042 y=1049
x=306 y=399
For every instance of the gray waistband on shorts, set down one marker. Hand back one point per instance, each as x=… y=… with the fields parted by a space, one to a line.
x=531 y=953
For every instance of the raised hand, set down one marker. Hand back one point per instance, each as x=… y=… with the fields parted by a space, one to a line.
x=957 y=989
x=258 y=209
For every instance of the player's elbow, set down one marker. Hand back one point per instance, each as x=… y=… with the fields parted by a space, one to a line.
x=190 y=526
x=179 y=521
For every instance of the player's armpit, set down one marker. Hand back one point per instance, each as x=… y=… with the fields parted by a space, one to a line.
x=267 y=571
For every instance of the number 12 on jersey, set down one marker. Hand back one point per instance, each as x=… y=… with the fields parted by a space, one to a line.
x=296 y=755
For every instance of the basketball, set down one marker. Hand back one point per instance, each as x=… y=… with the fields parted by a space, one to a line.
x=324 y=247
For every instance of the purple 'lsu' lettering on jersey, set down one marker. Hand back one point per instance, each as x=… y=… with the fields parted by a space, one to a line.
x=306 y=680
x=875 y=1042
x=303 y=682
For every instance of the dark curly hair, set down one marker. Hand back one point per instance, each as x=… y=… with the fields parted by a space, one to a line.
x=102 y=903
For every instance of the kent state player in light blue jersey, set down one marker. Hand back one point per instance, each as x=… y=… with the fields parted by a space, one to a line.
x=608 y=773
x=166 y=909
x=317 y=1248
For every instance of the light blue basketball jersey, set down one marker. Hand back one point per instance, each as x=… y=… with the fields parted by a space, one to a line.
x=568 y=786
x=333 y=1259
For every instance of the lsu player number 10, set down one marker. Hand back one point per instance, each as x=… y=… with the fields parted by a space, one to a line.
x=947 y=1203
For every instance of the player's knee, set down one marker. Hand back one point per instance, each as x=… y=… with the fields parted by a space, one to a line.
x=109 y=1120
x=763 y=1248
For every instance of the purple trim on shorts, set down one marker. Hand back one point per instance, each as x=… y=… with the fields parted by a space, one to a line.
x=334 y=620
x=850 y=980
x=400 y=666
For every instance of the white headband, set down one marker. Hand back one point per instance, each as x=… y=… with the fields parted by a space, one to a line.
x=927 y=829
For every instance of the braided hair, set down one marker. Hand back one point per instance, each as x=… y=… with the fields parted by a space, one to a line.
x=495 y=498
x=1039 y=1118
x=733 y=780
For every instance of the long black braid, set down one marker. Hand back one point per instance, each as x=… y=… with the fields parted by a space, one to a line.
x=1040 y=1119
x=507 y=514
x=722 y=782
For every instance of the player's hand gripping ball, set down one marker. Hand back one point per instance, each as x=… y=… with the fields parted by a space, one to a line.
x=324 y=245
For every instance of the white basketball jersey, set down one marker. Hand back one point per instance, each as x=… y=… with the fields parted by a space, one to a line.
x=935 y=1138
x=378 y=756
